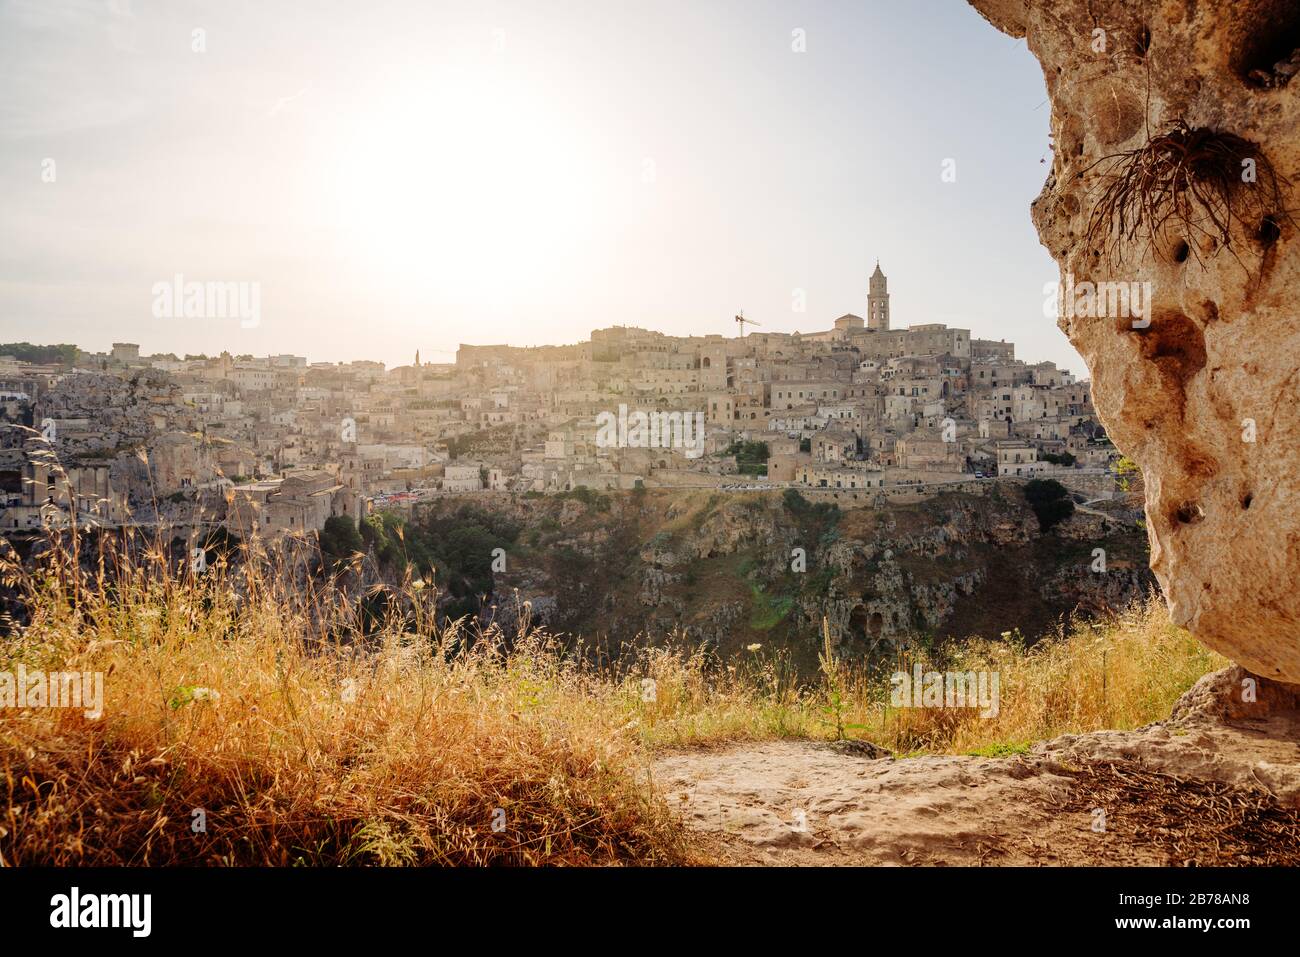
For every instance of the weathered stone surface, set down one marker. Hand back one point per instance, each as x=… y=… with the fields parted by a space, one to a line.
x=1206 y=397
x=1229 y=727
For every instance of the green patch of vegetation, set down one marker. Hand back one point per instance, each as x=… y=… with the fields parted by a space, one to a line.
x=800 y=507
x=819 y=583
x=748 y=451
x=588 y=497
x=457 y=549
x=340 y=541
x=767 y=611
x=1065 y=458
x=61 y=354
x=1001 y=749
x=1128 y=472
x=751 y=457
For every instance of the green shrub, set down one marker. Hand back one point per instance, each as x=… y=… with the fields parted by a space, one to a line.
x=1050 y=501
x=340 y=540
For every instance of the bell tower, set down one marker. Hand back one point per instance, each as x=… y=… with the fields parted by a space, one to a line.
x=878 y=301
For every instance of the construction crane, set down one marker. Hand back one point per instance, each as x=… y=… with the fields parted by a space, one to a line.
x=742 y=322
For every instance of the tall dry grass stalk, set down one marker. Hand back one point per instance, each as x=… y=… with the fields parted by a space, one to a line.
x=306 y=725
x=1118 y=672
x=300 y=731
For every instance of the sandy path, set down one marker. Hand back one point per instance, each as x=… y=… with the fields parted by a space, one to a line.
x=1210 y=786
x=805 y=803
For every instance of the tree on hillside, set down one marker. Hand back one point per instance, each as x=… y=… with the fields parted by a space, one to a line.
x=340 y=540
x=61 y=354
x=1050 y=501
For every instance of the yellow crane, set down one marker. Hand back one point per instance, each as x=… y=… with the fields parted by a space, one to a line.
x=742 y=322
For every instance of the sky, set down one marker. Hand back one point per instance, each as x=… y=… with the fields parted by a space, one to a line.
x=391 y=176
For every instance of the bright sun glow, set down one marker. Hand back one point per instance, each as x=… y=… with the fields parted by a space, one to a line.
x=468 y=183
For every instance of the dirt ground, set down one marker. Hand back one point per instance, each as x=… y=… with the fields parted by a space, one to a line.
x=1218 y=783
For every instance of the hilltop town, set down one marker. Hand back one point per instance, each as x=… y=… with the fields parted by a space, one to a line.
x=279 y=444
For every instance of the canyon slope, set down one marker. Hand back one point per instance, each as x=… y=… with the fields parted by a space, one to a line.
x=732 y=569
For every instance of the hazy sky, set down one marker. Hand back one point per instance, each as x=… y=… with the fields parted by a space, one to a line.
x=412 y=175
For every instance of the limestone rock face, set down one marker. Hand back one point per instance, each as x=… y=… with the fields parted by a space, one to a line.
x=1195 y=101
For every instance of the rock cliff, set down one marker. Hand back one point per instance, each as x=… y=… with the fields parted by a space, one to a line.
x=1175 y=128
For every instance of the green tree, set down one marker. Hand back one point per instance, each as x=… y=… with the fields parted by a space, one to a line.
x=61 y=354
x=1050 y=501
x=340 y=540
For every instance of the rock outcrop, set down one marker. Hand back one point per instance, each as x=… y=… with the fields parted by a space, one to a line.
x=1175 y=128
x=1217 y=783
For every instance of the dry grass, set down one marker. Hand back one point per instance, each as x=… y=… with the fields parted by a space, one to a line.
x=309 y=733
x=1200 y=823
x=396 y=751
x=1119 y=672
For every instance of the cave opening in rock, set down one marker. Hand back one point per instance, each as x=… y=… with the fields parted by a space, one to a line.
x=1143 y=42
x=1269 y=231
x=1269 y=34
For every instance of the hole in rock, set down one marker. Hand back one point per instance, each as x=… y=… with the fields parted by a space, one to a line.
x=1269 y=231
x=1189 y=513
x=1270 y=33
x=1143 y=42
x=1176 y=345
x=1182 y=252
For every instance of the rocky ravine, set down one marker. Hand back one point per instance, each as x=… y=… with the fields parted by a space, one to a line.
x=728 y=567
